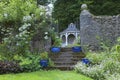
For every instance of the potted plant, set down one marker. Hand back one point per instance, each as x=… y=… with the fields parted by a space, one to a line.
x=76 y=49
x=44 y=59
x=56 y=45
x=85 y=61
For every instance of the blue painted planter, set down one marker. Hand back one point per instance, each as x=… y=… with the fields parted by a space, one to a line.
x=44 y=63
x=85 y=61
x=55 y=49
x=77 y=49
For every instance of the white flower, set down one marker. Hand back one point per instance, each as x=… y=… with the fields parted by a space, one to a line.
x=41 y=13
x=46 y=37
x=25 y=26
x=16 y=36
x=17 y=44
x=46 y=33
x=5 y=39
x=5 y=15
x=27 y=18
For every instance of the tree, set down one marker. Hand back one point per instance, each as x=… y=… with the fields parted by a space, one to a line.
x=105 y=7
x=67 y=11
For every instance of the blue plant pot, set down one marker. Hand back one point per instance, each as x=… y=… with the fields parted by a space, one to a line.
x=76 y=49
x=44 y=63
x=55 y=49
x=85 y=61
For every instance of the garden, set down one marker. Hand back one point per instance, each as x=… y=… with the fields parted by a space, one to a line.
x=29 y=29
x=101 y=65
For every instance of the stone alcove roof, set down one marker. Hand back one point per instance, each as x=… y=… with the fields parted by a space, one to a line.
x=71 y=28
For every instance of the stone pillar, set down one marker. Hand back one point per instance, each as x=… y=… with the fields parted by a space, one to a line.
x=88 y=31
x=66 y=39
x=76 y=35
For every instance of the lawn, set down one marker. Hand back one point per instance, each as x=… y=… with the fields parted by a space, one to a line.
x=45 y=75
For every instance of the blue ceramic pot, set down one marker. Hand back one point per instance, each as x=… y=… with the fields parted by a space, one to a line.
x=44 y=63
x=55 y=49
x=77 y=49
x=85 y=61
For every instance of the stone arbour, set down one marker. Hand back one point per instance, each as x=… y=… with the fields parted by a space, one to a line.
x=97 y=29
x=70 y=30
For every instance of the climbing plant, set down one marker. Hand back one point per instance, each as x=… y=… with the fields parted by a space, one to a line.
x=19 y=21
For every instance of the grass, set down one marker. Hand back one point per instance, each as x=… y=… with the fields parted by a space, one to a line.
x=45 y=75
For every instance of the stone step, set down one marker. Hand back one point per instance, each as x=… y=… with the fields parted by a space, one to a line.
x=63 y=59
x=66 y=49
x=69 y=57
x=70 y=52
x=65 y=53
x=60 y=63
x=66 y=59
x=64 y=67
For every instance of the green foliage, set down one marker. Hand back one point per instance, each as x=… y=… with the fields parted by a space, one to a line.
x=96 y=72
x=105 y=7
x=50 y=63
x=102 y=64
x=96 y=58
x=20 y=21
x=111 y=66
x=57 y=42
x=44 y=55
x=16 y=13
x=115 y=76
x=68 y=11
x=4 y=53
x=117 y=47
x=55 y=39
x=28 y=63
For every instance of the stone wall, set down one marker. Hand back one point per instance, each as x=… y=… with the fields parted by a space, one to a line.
x=39 y=44
x=95 y=30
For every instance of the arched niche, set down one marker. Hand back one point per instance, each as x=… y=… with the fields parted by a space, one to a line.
x=71 y=39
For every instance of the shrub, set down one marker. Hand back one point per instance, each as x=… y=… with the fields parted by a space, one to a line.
x=104 y=66
x=115 y=76
x=96 y=71
x=110 y=66
x=44 y=55
x=115 y=55
x=9 y=67
x=96 y=58
x=29 y=63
